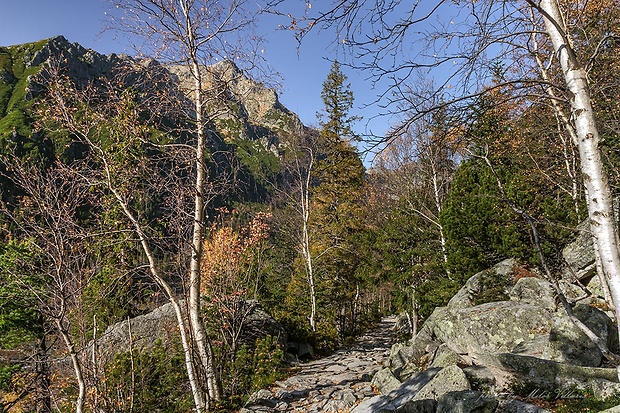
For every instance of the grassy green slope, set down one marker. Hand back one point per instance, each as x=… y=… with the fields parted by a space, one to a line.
x=14 y=73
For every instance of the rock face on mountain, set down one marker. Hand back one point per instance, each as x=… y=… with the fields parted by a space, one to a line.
x=80 y=64
x=248 y=103
x=242 y=111
x=470 y=353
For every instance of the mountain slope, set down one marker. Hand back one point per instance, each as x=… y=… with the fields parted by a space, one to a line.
x=250 y=120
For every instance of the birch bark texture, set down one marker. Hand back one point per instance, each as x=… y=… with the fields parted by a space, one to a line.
x=598 y=192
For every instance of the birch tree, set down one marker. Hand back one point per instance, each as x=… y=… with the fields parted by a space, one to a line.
x=194 y=34
x=105 y=120
x=459 y=42
x=416 y=170
x=418 y=165
x=60 y=266
x=598 y=192
x=299 y=163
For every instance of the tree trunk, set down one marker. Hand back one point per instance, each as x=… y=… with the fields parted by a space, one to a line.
x=438 y=208
x=598 y=193
x=203 y=344
x=77 y=364
x=44 y=399
x=310 y=271
x=414 y=313
x=198 y=395
x=305 y=211
x=569 y=160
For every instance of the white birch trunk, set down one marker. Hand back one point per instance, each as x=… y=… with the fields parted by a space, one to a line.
x=305 y=212
x=203 y=344
x=438 y=208
x=598 y=193
x=414 y=313
x=75 y=361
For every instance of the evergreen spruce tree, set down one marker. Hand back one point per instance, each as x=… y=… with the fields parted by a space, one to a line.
x=339 y=182
x=481 y=228
x=335 y=122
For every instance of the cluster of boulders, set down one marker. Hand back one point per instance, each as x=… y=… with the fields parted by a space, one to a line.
x=479 y=357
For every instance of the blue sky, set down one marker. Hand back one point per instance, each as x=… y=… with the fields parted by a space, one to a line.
x=82 y=21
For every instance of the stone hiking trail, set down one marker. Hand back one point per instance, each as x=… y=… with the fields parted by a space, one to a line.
x=332 y=384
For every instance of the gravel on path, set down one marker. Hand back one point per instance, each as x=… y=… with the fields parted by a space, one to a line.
x=331 y=384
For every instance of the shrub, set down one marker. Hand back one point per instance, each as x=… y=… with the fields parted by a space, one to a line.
x=154 y=380
x=493 y=288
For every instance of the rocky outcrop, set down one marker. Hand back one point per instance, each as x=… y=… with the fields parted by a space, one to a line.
x=471 y=352
x=238 y=104
x=143 y=332
x=474 y=287
x=79 y=64
x=140 y=333
x=579 y=270
x=467 y=401
x=449 y=379
x=579 y=254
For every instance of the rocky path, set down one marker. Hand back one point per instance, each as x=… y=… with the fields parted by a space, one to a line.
x=331 y=384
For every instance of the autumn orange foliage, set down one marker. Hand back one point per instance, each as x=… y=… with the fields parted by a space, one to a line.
x=229 y=255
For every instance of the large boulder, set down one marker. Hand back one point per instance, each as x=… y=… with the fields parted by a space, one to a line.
x=404 y=395
x=259 y=323
x=512 y=370
x=139 y=333
x=504 y=326
x=524 y=328
x=466 y=401
x=534 y=290
x=385 y=381
x=474 y=287
x=569 y=344
x=144 y=331
x=449 y=379
x=579 y=254
x=579 y=270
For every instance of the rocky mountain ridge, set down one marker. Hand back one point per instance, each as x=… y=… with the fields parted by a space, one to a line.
x=250 y=111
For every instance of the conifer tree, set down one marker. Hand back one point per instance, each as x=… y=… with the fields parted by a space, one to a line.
x=337 y=97
x=336 y=201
